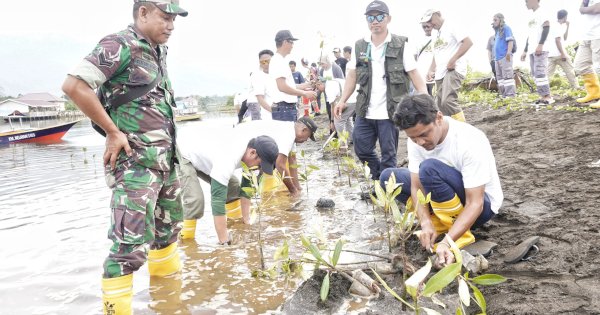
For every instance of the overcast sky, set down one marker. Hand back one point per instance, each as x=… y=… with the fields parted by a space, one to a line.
x=215 y=47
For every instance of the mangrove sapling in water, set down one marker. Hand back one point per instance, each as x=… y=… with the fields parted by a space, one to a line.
x=386 y=199
x=255 y=190
x=334 y=146
x=307 y=170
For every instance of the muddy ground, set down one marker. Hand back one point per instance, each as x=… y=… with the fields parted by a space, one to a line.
x=543 y=159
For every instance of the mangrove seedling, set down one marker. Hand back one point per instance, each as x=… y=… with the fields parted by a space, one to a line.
x=334 y=146
x=308 y=168
x=386 y=199
x=255 y=191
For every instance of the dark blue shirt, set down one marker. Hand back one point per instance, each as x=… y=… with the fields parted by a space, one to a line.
x=501 y=44
x=298 y=78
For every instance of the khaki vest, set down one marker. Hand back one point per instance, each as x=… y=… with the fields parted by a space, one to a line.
x=397 y=80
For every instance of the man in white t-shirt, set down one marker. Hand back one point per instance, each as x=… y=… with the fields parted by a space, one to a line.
x=285 y=134
x=539 y=29
x=448 y=67
x=454 y=162
x=259 y=98
x=285 y=97
x=557 y=55
x=587 y=59
x=383 y=65
x=215 y=158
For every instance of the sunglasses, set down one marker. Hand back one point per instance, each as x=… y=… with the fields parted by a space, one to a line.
x=265 y=62
x=379 y=18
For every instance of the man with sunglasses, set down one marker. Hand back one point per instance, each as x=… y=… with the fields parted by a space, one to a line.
x=286 y=95
x=140 y=155
x=448 y=66
x=261 y=88
x=383 y=66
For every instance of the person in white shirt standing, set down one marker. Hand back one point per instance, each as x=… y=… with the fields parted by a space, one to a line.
x=587 y=59
x=454 y=162
x=557 y=56
x=448 y=67
x=285 y=97
x=383 y=65
x=260 y=87
x=539 y=28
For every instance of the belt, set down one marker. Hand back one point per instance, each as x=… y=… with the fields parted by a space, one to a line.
x=285 y=104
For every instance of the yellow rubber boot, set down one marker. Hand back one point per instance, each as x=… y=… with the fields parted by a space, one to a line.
x=592 y=87
x=188 y=231
x=444 y=215
x=117 y=294
x=460 y=116
x=163 y=262
x=233 y=209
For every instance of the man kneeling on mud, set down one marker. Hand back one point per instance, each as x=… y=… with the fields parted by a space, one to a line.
x=454 y=162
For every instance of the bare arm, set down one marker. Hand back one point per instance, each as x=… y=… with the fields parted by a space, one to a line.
x=465 y=45
x=431 y=73
x=594 y=9
x=85 y=98
x=294 y=170
x=472 y=210
x=349 y=87
x=428 y=233
x=417 y=81
x=281 y=166
x=263 y=103
x=285 y=88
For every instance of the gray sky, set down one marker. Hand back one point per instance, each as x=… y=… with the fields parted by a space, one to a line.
x=215 y=47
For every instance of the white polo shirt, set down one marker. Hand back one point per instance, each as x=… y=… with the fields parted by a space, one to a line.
x=280 y=68
x=377 y=108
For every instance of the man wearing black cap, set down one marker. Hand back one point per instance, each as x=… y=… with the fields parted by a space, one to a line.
x=382 y=67
x=286 y=96
x=215 y=160
x=129 y=70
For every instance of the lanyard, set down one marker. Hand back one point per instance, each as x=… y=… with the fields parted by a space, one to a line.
x=382 y=53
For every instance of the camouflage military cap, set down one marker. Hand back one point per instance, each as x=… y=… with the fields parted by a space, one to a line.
x=167 y=6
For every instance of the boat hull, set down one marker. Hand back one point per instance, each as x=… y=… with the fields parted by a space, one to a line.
x=42 y=135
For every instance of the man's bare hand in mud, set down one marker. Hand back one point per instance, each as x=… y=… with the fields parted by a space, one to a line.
x=115 y=142
x=427 y=235
x=444 y=255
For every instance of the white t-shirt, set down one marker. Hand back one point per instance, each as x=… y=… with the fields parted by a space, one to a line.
x=333 y=89
x=283 y=132
x=445 y=45
x=468 y=150
x=280 y=68
x=536 y=22
x=217 y=155
x=424 y=60
x=556 y=30
x=377 y=108
x=260 y=84
x=591 y=23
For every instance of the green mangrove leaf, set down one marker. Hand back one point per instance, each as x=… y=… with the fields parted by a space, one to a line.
x=337 y=252
x=489 y=279
x=442 y=278
x=325 y=288
x=413 y=283
x=392 y=292
x=479 y=299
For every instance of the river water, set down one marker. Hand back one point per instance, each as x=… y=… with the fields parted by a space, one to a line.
x=54 y=219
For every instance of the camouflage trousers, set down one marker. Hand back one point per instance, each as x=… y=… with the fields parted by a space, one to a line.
x=146 y=214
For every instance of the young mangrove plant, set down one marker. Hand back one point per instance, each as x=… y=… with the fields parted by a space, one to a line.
x=418 y=288
x=329 y=264
x=308 y=168
x=257 y=193
x=386 y=199
x=334 y=146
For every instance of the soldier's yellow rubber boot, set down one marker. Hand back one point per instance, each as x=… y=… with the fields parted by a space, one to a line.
x=188 y=231
x=444 y=215
x=117 y=294
x=460 y=116
x=233 y=209
x=592 y=87
x=163 y=262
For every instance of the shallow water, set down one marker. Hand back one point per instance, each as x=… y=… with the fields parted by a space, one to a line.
x=54 y=219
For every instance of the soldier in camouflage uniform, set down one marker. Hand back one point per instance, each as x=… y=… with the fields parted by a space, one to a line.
x=140 y=150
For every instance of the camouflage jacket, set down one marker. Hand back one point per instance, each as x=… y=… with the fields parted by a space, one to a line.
x=127 y=60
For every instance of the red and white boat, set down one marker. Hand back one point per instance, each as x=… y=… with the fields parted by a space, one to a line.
x=50 y=134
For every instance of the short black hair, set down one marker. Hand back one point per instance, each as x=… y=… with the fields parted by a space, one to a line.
x=415 y=109
x=265 y=52
x=562 y=14
x=292 y=62
x=348 y=49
